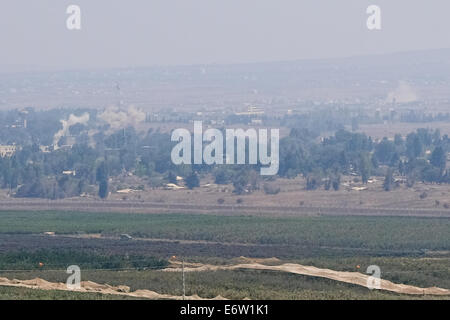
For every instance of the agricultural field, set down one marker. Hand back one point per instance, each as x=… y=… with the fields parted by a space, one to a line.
x=409 y=250
x=271 y=158
x=11 y=293
x=231 y=284
x=413 y=234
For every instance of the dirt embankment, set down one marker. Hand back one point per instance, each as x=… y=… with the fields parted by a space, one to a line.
x=249 y=264
x=92 y=287
x=347 y=277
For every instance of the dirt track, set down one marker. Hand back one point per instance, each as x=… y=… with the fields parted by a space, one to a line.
x=155 y=207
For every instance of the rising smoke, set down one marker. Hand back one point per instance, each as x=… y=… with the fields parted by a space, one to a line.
x=404 y=93
x=119 y=119
x=66 y=124
x=115 y=118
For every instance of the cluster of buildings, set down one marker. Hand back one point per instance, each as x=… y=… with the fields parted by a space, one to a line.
x=7 y=150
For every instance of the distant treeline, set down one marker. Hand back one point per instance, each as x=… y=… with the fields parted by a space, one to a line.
x=98 y=155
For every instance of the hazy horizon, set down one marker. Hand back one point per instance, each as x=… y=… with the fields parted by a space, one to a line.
x=118 y=34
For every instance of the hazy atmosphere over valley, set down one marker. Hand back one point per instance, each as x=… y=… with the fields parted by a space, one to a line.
x=251 y=151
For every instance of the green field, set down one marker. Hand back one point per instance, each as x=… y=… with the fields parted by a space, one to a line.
x=383 y=233
x=412 y=251
x=231 y=284
x=11 y=293
x=29 y=260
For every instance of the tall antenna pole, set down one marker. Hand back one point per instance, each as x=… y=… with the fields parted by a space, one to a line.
x=119 y=95
x=184 y=283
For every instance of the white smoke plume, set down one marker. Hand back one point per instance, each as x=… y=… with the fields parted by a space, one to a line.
x=66 y=124
x=404 y=93
x=119 y=119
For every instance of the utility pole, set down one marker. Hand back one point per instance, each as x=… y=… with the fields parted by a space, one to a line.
x=184 y=284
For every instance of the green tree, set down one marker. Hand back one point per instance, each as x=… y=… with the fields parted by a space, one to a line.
x=439 y=158
x=388 y=183
x=192 y=181
x=365 y=167
x=102 y=172
x=384 y=151
x=414 y=146
x=398 y=140
x=103 y=189
x=103 y=177
x=241 y=182
x=222 y=176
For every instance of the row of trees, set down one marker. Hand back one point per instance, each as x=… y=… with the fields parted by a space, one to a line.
x=421 y=156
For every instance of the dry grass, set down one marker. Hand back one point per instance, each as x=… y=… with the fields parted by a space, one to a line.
x=294 y=193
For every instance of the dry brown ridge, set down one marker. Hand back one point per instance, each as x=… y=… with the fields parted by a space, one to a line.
x=251 y=264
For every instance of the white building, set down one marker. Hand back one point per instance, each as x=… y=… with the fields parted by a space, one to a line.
x=7 y=150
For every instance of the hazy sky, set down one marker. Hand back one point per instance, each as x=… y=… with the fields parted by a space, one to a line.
x=121 y=33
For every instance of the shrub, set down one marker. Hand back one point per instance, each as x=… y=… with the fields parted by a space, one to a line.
x=270 y=189
x=193 y=181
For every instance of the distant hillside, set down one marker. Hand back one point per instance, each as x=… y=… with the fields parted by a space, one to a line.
x=210 y=86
